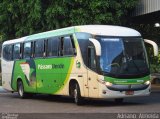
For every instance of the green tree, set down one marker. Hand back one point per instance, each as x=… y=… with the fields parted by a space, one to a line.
x=24 y=17
x=148 y=31
x=19 y=18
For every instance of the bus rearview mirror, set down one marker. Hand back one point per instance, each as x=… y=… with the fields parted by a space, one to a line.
x=155 y=46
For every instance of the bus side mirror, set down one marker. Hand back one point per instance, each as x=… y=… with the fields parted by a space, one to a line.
x=155 y=46
x=97 y=46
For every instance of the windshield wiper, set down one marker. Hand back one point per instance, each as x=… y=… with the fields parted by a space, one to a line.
x=136 y=66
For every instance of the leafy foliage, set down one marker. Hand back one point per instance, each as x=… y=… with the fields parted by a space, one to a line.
x=155 y=64
x=153 y=33
x=148 y=31
x=19 y=17
x=24 y=17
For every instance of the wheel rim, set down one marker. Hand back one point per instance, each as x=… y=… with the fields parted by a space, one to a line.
x=20 y=89
x=75 y=96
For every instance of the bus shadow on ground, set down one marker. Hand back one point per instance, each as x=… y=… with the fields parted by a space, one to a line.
x=93 y=102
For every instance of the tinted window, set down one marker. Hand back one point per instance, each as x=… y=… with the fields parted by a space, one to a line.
x=16 y=51
x=39 y=48
x=68 y=46
x=53 y=44
x=27 y=50
x=7 y=52
x=91 y=58
x=83 y=41
x=123 y=57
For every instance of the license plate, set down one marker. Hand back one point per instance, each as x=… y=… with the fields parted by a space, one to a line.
x=129 y=92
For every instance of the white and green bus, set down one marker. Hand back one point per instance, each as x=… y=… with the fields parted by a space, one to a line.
x=90 y=61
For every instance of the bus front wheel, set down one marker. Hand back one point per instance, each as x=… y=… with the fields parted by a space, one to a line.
x=20 y=87
x=77 y=95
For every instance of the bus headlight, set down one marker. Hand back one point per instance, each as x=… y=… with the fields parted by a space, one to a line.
x=104 y=82
x=147 y=83
x=108 y=84
x=101 y=81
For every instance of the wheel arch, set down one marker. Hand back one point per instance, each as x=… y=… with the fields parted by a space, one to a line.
x=72 y=83
x=18 y=79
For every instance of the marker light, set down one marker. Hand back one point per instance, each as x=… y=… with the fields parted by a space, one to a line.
x=157 y=25
x=108 y=84
x=147 y=82
x=101 y=81
x=104 y=82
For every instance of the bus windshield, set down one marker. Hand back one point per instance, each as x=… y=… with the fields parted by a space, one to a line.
x=123 y=57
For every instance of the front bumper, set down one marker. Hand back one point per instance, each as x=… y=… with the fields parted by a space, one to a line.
x=105 y=92
x=132 y=87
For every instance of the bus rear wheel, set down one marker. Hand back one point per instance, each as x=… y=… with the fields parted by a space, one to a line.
x=20 y=88
x=77 y=95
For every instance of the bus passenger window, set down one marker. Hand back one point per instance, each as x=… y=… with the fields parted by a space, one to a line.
x=68 y=46
x=39 y=48
x=91 y=58
x=27 y=50
x=7 y=52
x=53 y=44
x=16 y=51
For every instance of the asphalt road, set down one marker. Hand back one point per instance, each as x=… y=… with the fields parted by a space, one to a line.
x=11 y=103
x=51 y=104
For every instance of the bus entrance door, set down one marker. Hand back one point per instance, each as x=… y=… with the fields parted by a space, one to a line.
x=92 y=75
x=92 y=84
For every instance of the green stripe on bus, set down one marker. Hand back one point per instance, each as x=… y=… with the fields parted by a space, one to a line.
x=127 y=81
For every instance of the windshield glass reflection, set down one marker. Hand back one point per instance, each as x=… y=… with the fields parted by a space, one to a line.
x=123 y=56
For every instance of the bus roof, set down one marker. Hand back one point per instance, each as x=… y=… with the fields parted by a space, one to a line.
x=107 y=30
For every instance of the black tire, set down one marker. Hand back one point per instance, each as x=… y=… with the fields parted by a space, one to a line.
x=77 y=95
x=20 y=89
x=119 y=100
